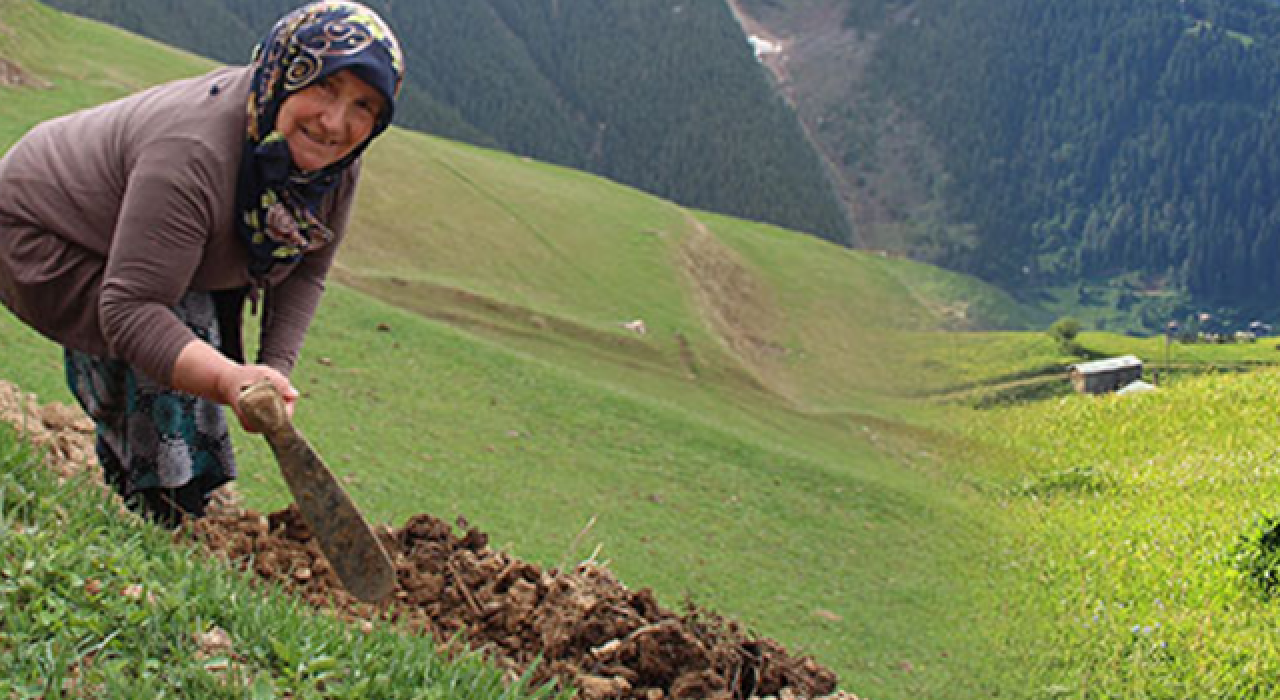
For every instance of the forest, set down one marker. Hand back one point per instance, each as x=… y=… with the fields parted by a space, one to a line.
x=1088 y=139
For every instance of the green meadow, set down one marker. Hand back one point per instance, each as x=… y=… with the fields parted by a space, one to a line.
x=1140 y=522
x=792 y=441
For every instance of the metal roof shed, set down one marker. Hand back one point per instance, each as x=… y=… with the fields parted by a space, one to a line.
x=1101 y=376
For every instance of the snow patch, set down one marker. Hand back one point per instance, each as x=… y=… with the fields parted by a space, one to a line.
x=763 y=47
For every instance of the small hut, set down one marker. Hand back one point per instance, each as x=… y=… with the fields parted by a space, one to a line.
x=1101 y=376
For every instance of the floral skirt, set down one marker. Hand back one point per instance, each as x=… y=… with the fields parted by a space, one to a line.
x=164 y=451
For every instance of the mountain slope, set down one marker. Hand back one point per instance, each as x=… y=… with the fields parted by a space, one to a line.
x=1053 y=144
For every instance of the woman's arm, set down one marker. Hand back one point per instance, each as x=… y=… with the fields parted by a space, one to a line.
x=201 y=370
x=161 y=233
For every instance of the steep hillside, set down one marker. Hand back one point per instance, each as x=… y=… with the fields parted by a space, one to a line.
x=1113 y=155
x=881 y=159
x=660 y=95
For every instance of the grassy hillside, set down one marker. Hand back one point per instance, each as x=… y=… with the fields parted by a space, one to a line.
x=756 y=450
x=36 y=40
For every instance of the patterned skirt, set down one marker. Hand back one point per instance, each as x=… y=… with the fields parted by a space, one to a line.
x=163 y=451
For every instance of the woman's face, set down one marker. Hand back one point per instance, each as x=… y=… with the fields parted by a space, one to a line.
x=326 y=120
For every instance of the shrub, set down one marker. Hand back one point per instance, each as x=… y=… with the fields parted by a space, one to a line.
x=1064 y=332
x=1256 y=555
x=1075 y=480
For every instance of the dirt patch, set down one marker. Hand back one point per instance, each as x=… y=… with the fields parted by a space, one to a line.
x=579 y=628
x=736 y=306
x=589 y=630
x=13 y=75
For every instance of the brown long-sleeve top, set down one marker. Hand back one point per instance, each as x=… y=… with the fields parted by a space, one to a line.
x=108 y=216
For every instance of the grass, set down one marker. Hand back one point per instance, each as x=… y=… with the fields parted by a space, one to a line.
x=1155 y=350
x=1128 y=516
x=964 y=302
x=829 y=545
x=36 y=38
x=101 y=605
x=754 y=512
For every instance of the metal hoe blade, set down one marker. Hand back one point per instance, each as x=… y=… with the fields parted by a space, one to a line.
x=342 y=532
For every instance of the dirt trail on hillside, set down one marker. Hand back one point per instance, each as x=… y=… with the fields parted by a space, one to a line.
x=579 y=628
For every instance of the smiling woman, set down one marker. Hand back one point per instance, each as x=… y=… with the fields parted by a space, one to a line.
x=324 y=122
x=133 y=232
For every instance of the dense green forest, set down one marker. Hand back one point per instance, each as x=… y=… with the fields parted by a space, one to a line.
x=1089 y=138
x=663 y=95
x=1077 y=142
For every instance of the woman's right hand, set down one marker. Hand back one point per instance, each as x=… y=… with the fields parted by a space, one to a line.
x=242 y=376
x=205 y=372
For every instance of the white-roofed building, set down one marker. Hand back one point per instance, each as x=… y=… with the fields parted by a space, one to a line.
x=1102 y=376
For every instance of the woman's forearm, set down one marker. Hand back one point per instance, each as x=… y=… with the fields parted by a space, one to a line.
x=201 y=370
x=204 y=371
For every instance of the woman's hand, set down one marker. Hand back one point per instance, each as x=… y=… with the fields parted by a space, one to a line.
x=205 y=372
x=244 y=375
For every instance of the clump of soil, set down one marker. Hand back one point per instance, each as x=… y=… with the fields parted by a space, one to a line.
x=590 y=630
x=579 y=628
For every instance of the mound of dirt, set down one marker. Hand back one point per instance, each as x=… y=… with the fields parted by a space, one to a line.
x=579 y=628
x=588 y=629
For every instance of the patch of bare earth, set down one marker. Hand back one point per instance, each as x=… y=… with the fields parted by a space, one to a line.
x=580 y=628
x=881 y=159
x=736 y=306
x=13 y=75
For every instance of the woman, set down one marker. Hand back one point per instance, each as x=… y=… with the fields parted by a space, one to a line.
x=132 y=233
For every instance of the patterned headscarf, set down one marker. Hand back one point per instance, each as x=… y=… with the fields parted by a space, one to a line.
x=277 y=202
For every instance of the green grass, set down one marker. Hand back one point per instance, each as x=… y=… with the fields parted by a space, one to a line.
x=1127 y=512
x=101 y=605
x=964 y=302
x=104 y=67
x=755 y=512
x=711 y=508
x=1155 y=350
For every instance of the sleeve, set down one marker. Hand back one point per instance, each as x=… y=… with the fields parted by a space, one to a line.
x=164 y=223
x=291 y=304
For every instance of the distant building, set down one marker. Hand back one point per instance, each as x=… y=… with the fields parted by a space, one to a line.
x=1102 y=376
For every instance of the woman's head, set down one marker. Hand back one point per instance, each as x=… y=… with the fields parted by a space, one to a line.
x=325 y=80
